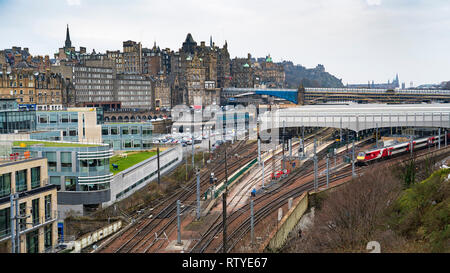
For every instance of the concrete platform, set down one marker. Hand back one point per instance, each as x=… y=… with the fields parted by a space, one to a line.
x=182 y=248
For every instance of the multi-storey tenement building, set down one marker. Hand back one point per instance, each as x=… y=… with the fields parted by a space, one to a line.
x=117 y=59
x=195 y=79
x=37 y=206
x=242 y=72
x=270 y=74
x=134 y=91
x=132 y=57
x=152 y=61
x=44 y=90
x=162 y=93
x=3 y=63
x=49 y=90
x=93 y=84
x=19 y=84
x=223 y=67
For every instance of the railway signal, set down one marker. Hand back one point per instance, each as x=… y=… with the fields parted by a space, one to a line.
x=445 y=138
x=353 y=159
x=178 y=224
x=315 y=165
x=224 y=221
x=252 y=233
x=328 y=170
x=198 y=194
x=439 y=143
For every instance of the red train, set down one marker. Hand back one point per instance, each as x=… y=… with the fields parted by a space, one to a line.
x=390 y=151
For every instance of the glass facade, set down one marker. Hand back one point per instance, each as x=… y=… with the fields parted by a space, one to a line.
x=17 y=120
x=70 y=183
x=133 y=136
x=66 y=161
x=77 y=168
x=51 y=159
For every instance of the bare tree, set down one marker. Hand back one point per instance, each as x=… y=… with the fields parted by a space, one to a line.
x=349 y=217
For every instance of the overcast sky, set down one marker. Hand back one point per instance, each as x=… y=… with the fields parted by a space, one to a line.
x=356 y=40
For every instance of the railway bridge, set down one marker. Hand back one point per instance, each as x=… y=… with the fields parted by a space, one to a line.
x=305 y=96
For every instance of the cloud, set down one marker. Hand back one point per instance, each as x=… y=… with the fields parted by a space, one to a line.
x=373 y=2
x=356 y=40
x=73 y=2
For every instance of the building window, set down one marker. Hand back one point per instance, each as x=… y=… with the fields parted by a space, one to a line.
x=146 y=144
x=66 y=161
x=134 y=130
x=43 y=119
x=5 y=184
x=146 y=131
x=23 y=212
x=125 y=131
x=35 y=211
x=48 y=232
x=53 y=118
x=70 y=183
x=72 y=132
x=5 y=222
x=104 y=131
x=64 y=118
x=33 y=241
x=74 y=118
x=127 y=143
x=51 y=159
x=48 y=207
x=21 y=180
x=35 y=177
x=114 y=131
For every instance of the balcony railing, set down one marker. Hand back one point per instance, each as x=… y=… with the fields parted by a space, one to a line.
x=21 y=187
x=4 y=193
x=35 y=184
x=35 y=223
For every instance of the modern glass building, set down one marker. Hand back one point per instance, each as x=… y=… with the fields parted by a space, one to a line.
x=128 y=136
x=64 y=121
x=80 y=171
x=12 y=119
x=120 y=136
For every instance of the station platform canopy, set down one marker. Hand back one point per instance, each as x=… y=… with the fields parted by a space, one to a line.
x=358 y=117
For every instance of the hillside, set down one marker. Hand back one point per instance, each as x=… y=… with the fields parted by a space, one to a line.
x=313 y=77
x=401 y=216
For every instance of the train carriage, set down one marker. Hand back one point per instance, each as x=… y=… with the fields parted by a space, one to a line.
x=390 y=151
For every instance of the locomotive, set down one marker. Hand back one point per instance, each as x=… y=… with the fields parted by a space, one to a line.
x=377 y=154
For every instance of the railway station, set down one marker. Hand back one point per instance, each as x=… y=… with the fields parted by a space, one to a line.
x=309 y=149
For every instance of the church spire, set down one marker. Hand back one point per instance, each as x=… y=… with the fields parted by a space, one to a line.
x=68 y=42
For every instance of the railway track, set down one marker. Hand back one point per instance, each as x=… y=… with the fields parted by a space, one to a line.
x=215 y=228
x=159 y=216
x=275 y=203
x=239 y=233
